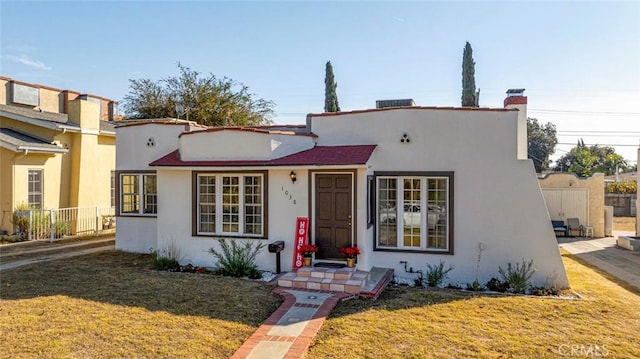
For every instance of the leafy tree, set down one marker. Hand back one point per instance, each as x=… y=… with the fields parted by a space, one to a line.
x=586 y=160
x=330 y=94
x=207 y=100
x=542 y=141
x=468 y=77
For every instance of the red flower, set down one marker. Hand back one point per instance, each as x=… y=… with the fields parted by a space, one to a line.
x=308 y=249
x=350 y=252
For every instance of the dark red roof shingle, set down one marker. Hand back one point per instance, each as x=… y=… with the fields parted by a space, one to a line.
x=316 y=156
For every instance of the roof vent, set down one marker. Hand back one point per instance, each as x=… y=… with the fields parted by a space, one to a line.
x=395 y=103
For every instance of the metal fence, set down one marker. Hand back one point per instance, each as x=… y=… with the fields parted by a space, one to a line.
x=66 y=222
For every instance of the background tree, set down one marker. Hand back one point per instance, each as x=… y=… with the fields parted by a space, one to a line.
x=586 y=160
x=468 y=77
x=542 y=141
x=330 y=94
x=207 y=100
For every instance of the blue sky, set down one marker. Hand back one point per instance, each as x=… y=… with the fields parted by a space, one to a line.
x=579 y=61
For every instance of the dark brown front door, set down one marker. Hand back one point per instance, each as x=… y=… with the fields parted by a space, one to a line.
x=333 y=215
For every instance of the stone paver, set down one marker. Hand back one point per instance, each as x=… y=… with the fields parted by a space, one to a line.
x=604 y=254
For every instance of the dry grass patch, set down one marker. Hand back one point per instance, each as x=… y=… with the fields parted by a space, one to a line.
x=417 y=323
x=112 y=305
x=624 y=223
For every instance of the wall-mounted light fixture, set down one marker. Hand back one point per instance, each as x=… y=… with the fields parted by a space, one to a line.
x=405 y=138
x=293 y=177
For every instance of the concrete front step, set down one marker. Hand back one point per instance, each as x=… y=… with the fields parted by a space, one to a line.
x=345 y=280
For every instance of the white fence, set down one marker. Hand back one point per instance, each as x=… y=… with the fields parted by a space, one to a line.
x=66 y=222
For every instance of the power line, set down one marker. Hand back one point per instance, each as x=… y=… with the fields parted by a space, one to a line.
x=599 y=144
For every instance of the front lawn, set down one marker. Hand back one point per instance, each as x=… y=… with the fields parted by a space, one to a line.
x=111 y=305
x=416 y=323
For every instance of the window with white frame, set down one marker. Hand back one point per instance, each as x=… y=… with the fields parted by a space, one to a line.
x=138 y=194
x=230 y=204
x=413 y=212
x=35 y=185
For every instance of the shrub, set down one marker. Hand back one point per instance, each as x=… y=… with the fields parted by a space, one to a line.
x=476 y=286
x=544 y=291
x=496 y=285
x=167 y=259
x=236 y=257
x=436 y=274
x=517 y=276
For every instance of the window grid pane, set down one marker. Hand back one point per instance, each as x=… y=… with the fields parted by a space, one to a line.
x=253 y=205
x=35 y=188
x=412 y=214
x=437 y=203
x=230 y=204
x=130 y=196
x=387 y=212
x=150 y=204
x=207 y=204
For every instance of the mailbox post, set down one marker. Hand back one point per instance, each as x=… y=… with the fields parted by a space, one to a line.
x=277 y=247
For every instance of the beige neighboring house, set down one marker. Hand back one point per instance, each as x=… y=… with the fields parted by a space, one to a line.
x=570 y=196
x=57 y=149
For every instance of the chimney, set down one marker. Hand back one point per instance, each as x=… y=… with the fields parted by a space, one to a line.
x=516 y=99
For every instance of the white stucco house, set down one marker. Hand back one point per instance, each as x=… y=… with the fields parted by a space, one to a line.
x=404 y=184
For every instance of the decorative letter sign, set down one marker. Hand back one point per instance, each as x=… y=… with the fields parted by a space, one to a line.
x=302 y=228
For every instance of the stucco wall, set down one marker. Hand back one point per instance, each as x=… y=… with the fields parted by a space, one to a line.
x=139 y=145
x=595 y=186
x=497 y=200
x=6 y=189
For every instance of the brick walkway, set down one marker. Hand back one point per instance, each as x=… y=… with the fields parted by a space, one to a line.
x=604 y=254
x=288 y=332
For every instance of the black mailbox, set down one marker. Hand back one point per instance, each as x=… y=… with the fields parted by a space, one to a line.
x=276 y=247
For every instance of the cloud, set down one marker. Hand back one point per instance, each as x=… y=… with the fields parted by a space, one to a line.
x=26 y=60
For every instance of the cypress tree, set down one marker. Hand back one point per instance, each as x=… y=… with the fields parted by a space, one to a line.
x=330 y=95
x=468 y=77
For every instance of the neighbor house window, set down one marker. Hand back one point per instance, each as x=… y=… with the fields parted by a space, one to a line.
x=35 y=189
x=138 y=194
x=413 y=212
x=112 y=188
x=230 y=204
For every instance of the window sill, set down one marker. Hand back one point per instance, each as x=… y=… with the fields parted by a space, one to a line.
x=420 y=251
x=131 y=215
x=237 y=236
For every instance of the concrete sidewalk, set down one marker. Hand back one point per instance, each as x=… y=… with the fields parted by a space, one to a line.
x=26 y=253
x=604 y=254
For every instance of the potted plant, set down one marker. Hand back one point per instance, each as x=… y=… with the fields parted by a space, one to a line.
x=307 y=251
x=351 y=253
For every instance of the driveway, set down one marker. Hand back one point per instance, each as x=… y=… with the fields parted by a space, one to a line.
x=604 y=254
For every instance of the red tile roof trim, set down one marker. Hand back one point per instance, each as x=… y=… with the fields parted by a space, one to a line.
x=409 y=108
x=317 y=156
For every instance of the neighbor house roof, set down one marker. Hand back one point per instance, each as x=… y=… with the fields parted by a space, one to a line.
x=316 y=156
x=18 y=141
x=51 y=120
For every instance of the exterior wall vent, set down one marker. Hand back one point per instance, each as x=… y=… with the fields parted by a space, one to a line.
x=395 y=103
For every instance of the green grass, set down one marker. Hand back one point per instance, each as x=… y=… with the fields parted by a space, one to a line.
x=111 y=305
x=419 y=323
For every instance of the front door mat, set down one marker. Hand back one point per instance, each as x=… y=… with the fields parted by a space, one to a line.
x=329 y=265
